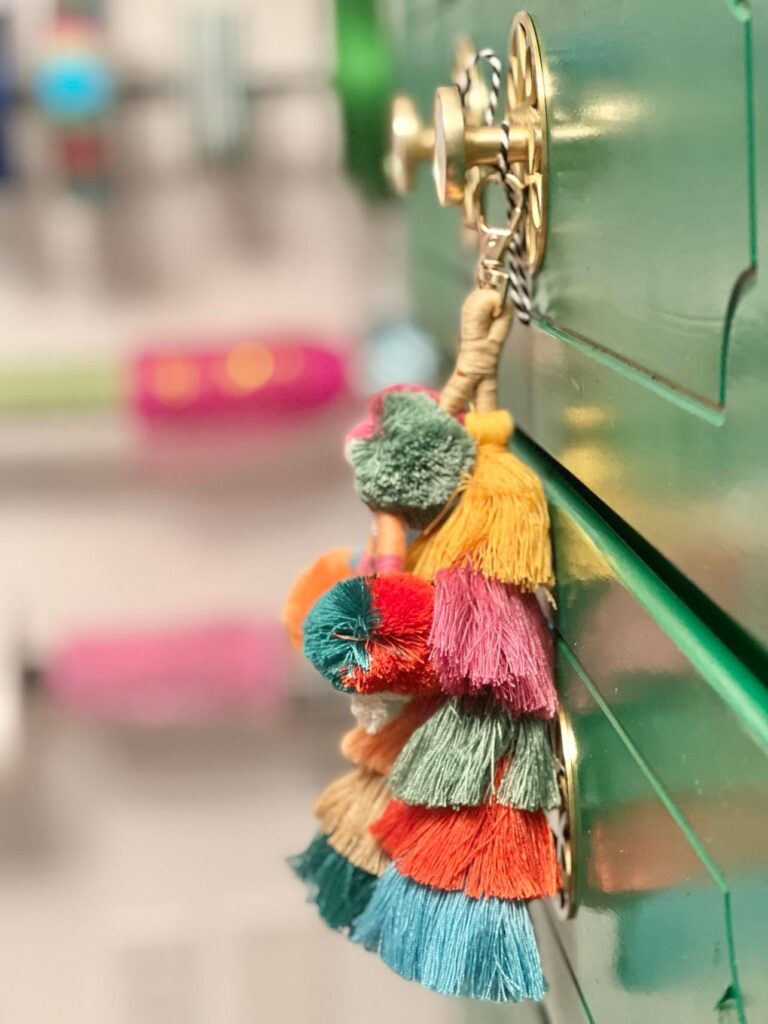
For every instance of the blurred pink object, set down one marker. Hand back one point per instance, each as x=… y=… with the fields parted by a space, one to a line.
x=179 y=674
x=244 y=380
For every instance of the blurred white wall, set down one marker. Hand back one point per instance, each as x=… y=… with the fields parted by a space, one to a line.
x=141 y=876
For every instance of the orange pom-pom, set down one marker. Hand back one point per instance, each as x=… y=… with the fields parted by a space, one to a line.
x=328 y=570
x=487 y=851
x=379 y=750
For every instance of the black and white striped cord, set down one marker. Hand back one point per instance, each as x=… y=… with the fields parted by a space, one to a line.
x=489 y=57
x=519 y=277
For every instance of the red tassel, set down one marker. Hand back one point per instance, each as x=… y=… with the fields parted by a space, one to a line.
x=399 y=640
x=488 y=851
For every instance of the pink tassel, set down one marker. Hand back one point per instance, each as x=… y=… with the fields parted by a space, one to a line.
x=487 y=634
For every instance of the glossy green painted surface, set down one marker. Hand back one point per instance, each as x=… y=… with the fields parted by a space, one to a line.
x=646 y=376
x=672 y=735
x=647 y=372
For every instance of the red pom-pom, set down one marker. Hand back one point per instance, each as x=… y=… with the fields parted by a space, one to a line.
x=398 y=643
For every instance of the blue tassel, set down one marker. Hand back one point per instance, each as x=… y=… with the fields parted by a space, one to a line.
x=481 y=949
x=337 y=628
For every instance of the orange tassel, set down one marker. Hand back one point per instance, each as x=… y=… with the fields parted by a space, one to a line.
x=324 y=573
x=378 y=751
x=487 y=851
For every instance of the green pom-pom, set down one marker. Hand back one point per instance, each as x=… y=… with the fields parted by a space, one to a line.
x=339 y=889
x=451 y=760
x=530 y=781
x=415 y=459
x=336 y=630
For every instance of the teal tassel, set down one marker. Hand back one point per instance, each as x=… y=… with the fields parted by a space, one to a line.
x=340 y=890
x=336 y=630
x=414 y=460
x=480 y=949
x=451 y=760
x=530 y=781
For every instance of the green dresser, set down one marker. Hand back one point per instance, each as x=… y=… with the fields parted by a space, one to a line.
x=641 y=394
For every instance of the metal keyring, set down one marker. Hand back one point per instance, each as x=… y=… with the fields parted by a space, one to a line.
x=512 y=186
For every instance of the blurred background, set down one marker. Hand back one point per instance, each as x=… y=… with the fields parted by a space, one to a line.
x=200 y=277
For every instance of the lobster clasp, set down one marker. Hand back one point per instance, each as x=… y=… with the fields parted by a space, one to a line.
x=491 y=270
x=494 y=242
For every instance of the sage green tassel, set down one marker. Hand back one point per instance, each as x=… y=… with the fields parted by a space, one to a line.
x=451 y=760
x=530 y=780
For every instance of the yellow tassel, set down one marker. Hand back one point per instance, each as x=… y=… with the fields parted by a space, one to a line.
x=346 y=808
x=500 y=525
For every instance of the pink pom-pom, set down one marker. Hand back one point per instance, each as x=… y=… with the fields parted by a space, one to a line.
x=487 y=634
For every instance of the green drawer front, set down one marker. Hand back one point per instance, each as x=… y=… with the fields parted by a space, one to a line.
x=672 y=844
x=646 y=372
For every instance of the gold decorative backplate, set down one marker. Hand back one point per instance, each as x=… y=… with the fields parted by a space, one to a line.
x=526 y=107
x=564 y=821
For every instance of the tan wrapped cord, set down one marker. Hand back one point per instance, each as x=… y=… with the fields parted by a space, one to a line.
x=485 y=324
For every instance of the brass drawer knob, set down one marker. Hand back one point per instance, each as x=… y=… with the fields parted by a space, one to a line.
x=411 y=141
x=466 y=151
x=459 y=147
x=411 y=144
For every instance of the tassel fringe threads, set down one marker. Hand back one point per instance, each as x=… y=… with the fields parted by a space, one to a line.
x=480 y=949
x=500 y=527
x=378 y=751
x=346 y=808
x=488 y=851
x=530 y=779
x=453 y=760
x=339 y=889
x=491 y=635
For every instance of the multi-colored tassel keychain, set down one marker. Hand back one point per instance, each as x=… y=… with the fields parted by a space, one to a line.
x=432 y=848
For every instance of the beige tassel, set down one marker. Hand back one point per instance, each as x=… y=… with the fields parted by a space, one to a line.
x=346 y=808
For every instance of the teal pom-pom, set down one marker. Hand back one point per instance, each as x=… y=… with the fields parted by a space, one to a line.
x=480 y=949
x=451 y=760
x=336 y=630
x=530 y=781
x=413 y=461
x=339 y=889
